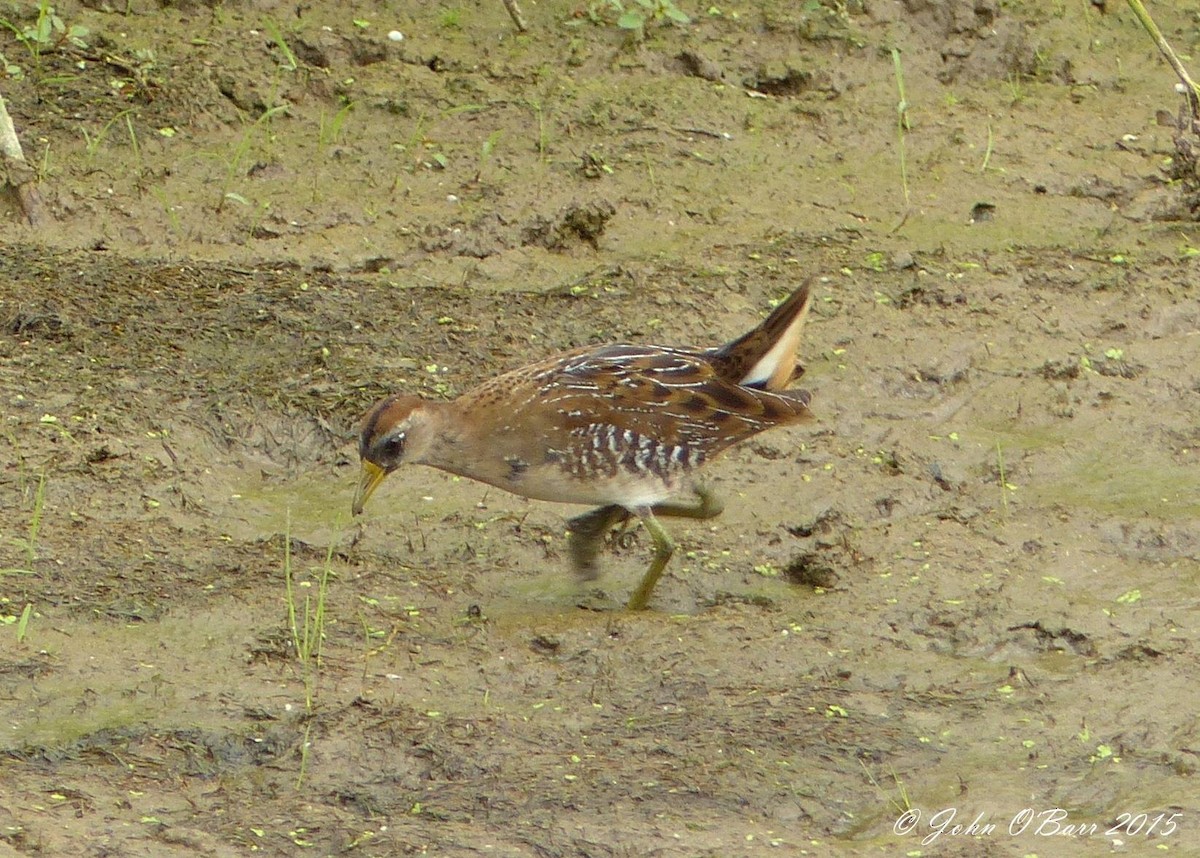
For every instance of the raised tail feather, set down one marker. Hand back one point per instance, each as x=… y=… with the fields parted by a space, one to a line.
x=765 y=358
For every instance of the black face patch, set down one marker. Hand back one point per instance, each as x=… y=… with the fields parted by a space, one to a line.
x=371 y=425
x=393 y=448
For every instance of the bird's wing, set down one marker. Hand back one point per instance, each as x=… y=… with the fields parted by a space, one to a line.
x=674 y=396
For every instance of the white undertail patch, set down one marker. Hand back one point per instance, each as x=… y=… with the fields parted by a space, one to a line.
x=769 y=371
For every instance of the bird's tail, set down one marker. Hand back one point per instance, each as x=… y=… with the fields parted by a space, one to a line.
x=765 y=358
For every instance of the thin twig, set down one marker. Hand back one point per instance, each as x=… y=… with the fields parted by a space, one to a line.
x=514 y=12
x=987 y=155
x=17 y=171
x=1191 y=90
x=902 y=124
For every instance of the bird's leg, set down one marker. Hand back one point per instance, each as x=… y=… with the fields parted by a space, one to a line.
x=587 y=535
x=664 y=547
x=710 y=506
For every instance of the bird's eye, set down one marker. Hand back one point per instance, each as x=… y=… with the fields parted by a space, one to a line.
x=393 y=447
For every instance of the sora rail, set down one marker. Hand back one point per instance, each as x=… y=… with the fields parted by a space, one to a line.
x=624 y=428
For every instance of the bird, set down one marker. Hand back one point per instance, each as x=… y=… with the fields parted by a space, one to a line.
x=624 y=428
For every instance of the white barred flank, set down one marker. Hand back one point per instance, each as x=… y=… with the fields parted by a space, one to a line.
x=605 y=450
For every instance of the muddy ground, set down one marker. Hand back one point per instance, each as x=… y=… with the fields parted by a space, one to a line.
x=967 y=593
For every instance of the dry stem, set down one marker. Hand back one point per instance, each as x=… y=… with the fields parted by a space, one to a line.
x=17 y=171
x=515 y=12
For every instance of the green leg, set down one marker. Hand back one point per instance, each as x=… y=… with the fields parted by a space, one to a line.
x=664 y=547
x=710 y=506
x=587 y=535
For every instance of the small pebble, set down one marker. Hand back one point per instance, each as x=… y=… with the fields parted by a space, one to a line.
x=396 y=36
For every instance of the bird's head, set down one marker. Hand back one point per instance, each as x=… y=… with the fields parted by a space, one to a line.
x=394 y=431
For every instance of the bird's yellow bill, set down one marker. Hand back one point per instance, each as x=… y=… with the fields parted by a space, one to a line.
x=372 y=475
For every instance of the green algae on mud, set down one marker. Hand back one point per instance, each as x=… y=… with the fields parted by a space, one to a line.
x=123 y=677
x=1139 y=485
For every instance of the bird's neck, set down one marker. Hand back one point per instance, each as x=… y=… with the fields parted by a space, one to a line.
x=443 y=432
